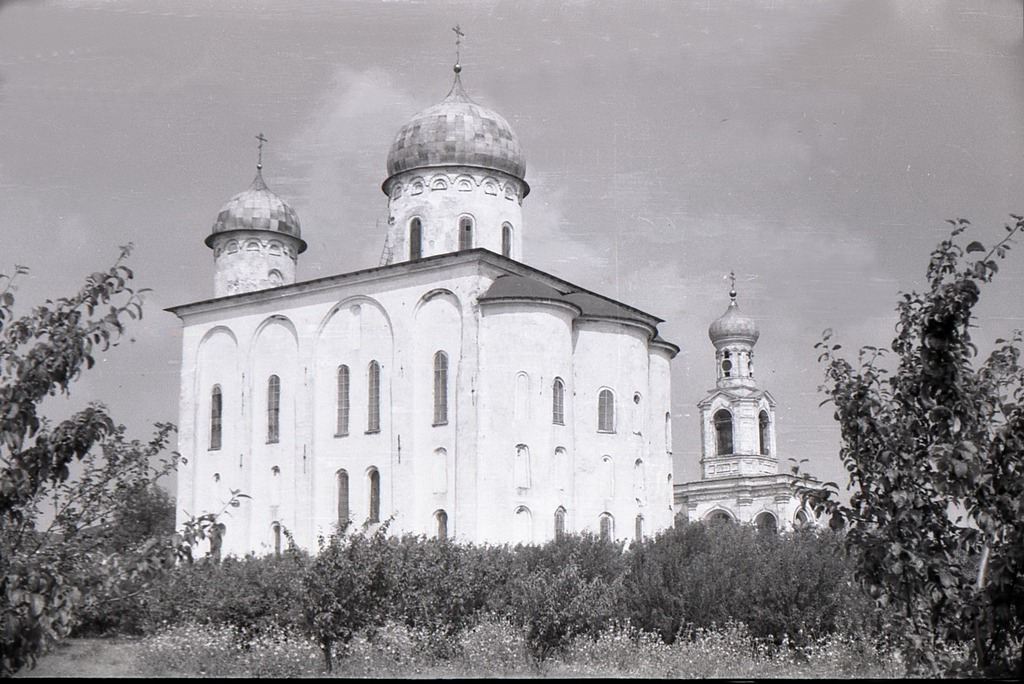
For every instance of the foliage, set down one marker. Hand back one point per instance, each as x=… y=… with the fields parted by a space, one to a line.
x=557 y=606
x=41 y=354
x=84 y=555
x=348 y=588
x=933 y=447
x=697 y=575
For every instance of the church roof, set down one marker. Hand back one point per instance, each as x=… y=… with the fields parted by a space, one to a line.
x=516 y=286
x=457 y=132
x=257 y=208
x=514 y=280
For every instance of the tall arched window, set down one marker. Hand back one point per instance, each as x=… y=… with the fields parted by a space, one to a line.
x=441 y=518
x=607 y=527
x=273 y=409
x=344 y=515
x=606 y=411
x=465 y=233
x=216 y=411
x=558 y=402
x=277 y=538
x=668 y=432
x=373 y=480
x=415 y=239
x=343 y=406
x=506 y=240
x=764 y=438
x=723 y=431
x=559 y=524
x=440 y=388
x=638 y=528
x=373 y=397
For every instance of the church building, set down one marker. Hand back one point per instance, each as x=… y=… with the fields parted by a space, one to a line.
x=452 y=388
x=740 y=478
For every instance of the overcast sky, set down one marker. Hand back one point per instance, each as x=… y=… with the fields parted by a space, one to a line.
x=814 y=147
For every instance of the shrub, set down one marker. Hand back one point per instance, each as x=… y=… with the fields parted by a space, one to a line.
x=798 y=584
x=555 y=607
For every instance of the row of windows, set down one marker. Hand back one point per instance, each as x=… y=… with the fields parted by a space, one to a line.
x=465 y=237
x=605 y=406
x=723 y=432
x=373 y=496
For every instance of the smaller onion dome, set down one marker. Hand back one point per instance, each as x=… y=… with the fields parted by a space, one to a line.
x=732 y=326
x=257 y=208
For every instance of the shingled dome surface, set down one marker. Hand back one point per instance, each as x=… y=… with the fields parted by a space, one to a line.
x=457 y=132
x=258 y=208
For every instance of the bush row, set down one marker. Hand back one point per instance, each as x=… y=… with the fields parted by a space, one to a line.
x=796 y=587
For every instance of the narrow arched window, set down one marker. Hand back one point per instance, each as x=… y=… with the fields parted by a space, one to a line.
x=465 y=233
x=442 y=524
x=723 y=431
x=440 y=388
x=277 y=538
x=521 y=467
x=559 y=524
x=506 y=240
x=373 y=397
x=216 y=411
x=343 y=509
x=638 y=528
x=607 y=527
x=522 y=525
x=415 y=239
x=639 y=480
x=668 y=432
x=343 y=405
x=606 y=411
x=374 y=484
x=764 y=438
x=273 y=409
x=607 y=477
x=558 y=402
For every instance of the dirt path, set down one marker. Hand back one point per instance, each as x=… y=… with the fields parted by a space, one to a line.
x=114 y=657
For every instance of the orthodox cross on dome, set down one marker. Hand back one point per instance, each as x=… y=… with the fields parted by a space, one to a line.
x=732 y=285
x=458 y=42
x=259 y=164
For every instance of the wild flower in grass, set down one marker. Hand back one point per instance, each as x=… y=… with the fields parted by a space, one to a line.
x=217 y=651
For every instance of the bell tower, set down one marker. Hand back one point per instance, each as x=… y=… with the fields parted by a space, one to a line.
x=737 y=418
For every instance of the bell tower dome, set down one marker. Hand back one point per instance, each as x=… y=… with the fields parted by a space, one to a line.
x=255 y=240
x=737 y=418
x=456 y=180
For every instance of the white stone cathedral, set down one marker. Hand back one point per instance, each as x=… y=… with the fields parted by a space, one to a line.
x=740 y=478
x=453 y=388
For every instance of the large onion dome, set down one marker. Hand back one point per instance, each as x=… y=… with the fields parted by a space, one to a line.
x=257 y=208
x=732 y=326
x=457 y=132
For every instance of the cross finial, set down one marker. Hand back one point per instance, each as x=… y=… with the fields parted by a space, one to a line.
x=259 y=164
x=458 y=42
x=732 y=285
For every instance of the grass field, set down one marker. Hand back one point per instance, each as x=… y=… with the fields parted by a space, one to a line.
x=494 y=651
